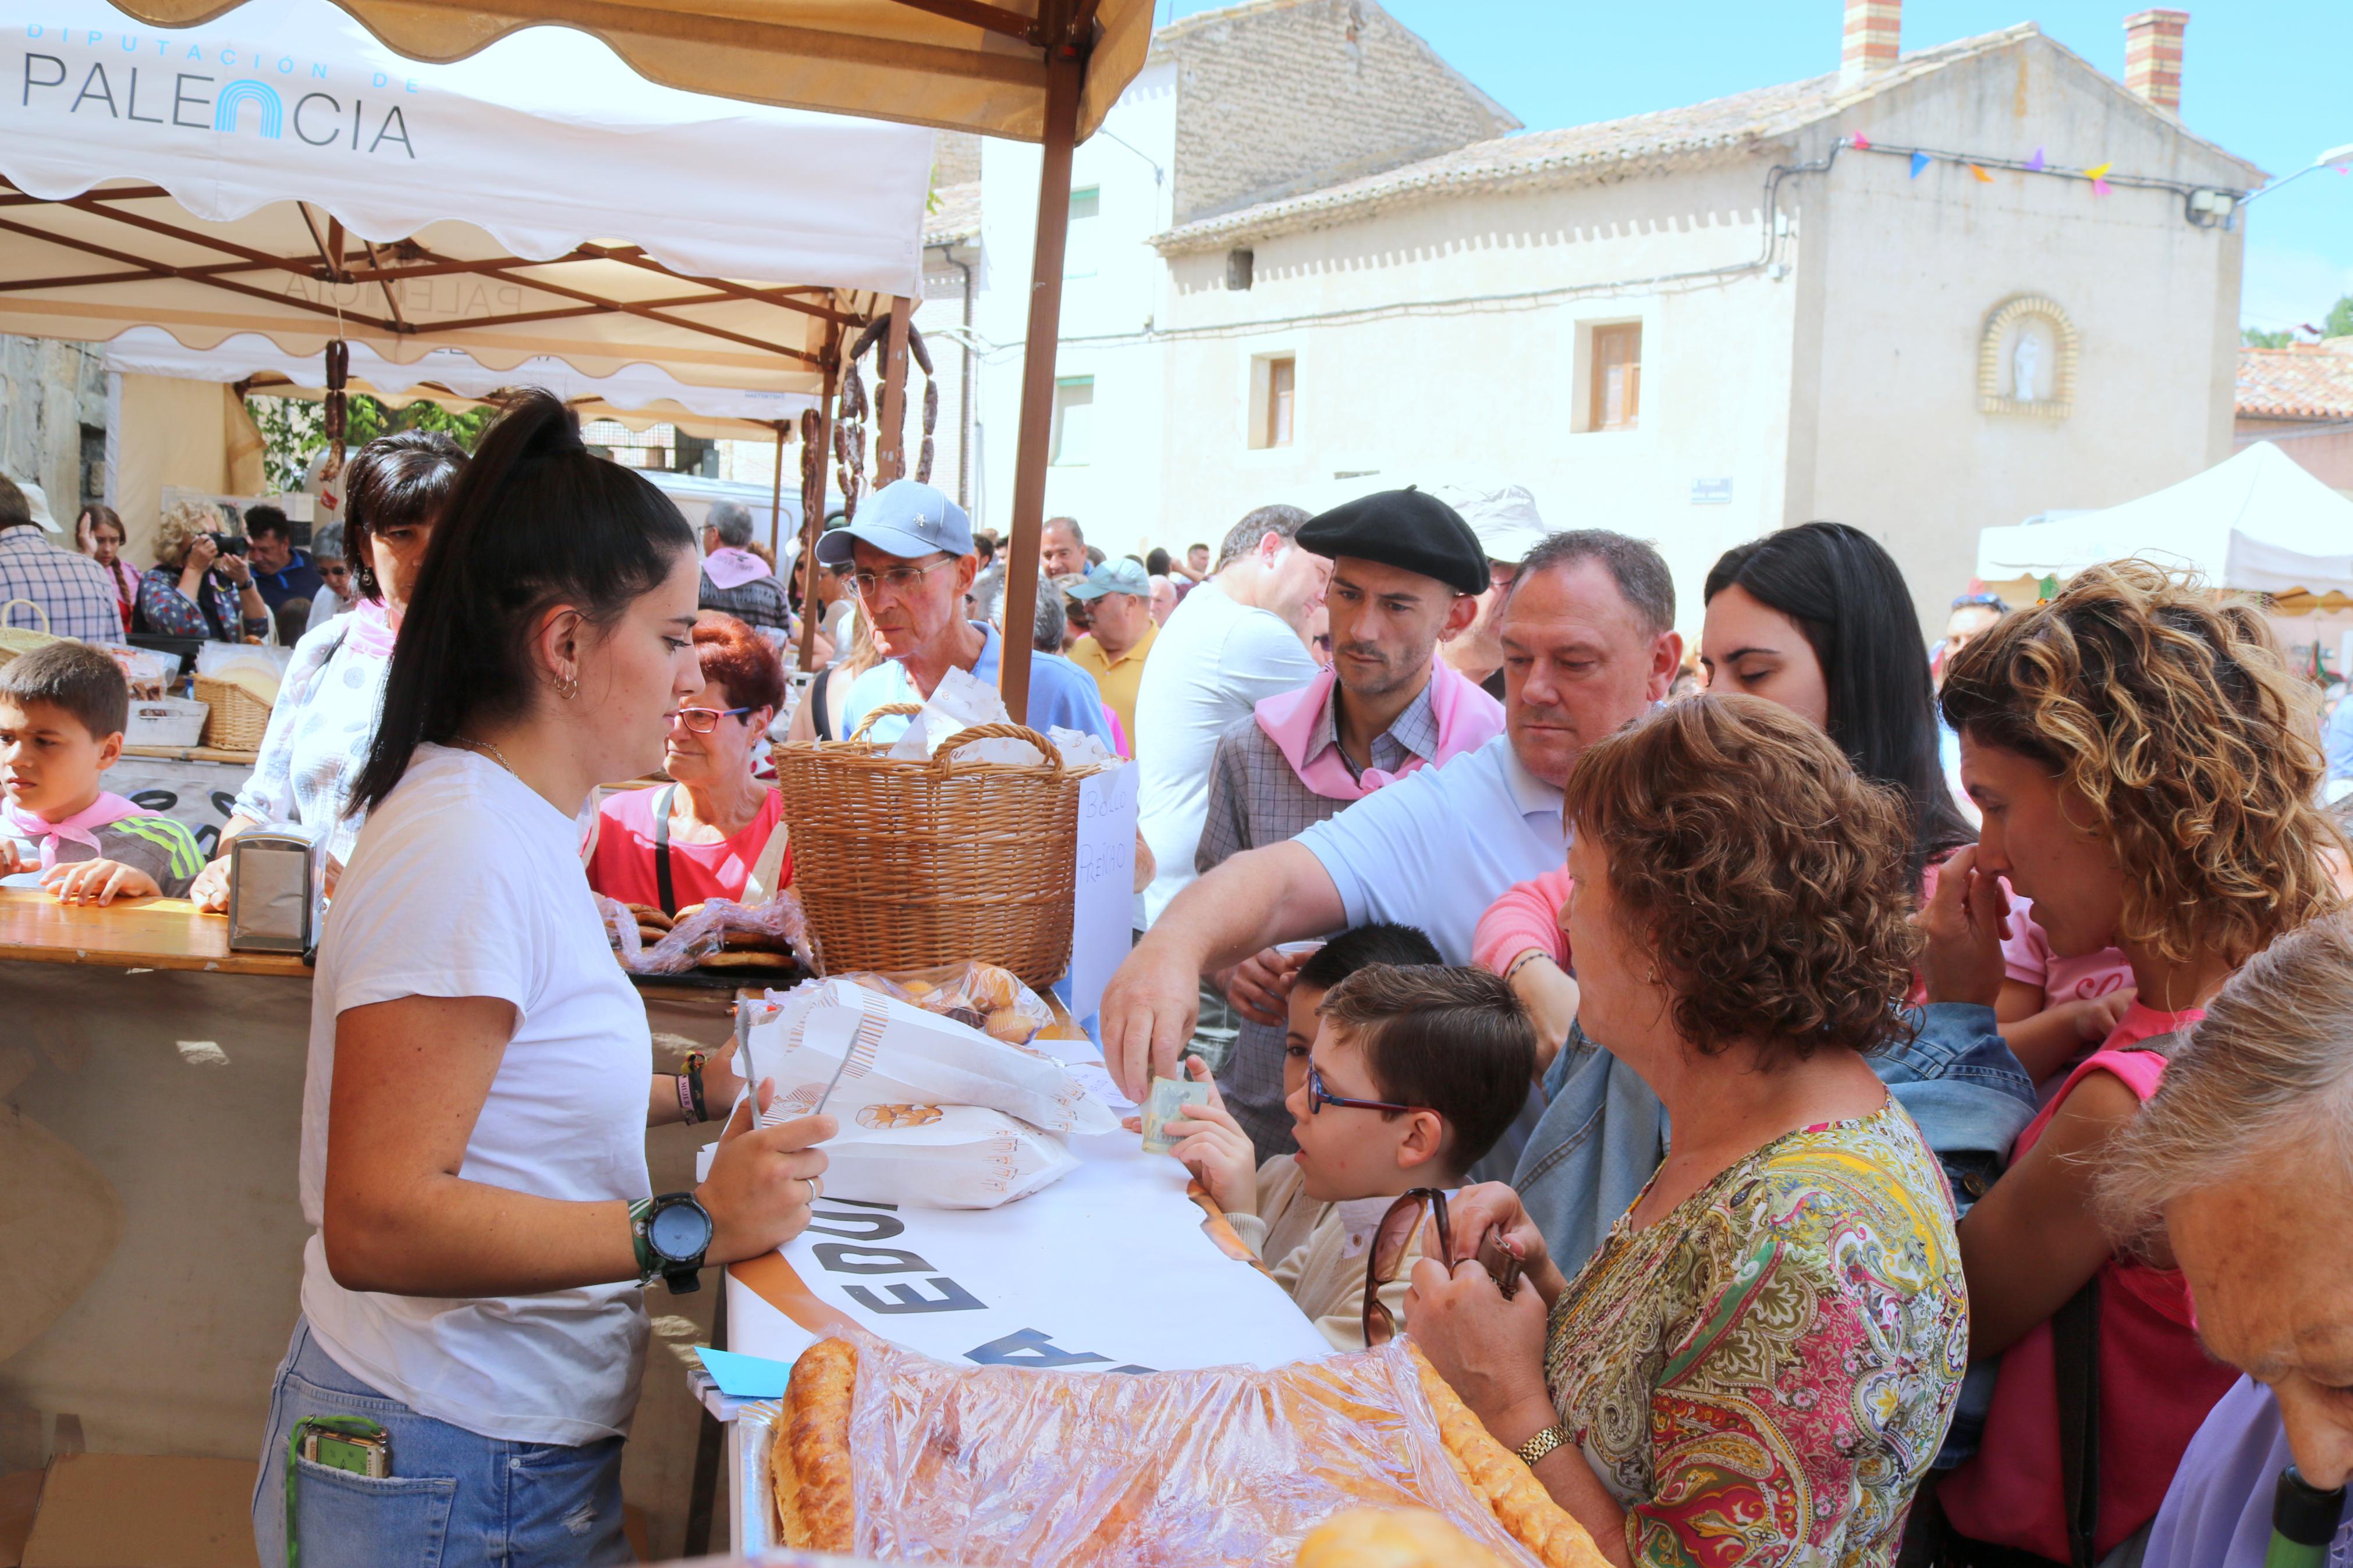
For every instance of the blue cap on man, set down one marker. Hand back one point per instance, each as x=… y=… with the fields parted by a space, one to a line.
x=906 y=519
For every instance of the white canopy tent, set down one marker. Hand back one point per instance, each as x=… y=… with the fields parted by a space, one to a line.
x=2257 y=522
x=278 y=172
x=638 y=396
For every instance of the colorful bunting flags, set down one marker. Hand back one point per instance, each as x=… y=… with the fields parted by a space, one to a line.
x=2048 y=588
x=1919 y=161
x=1983 y=178
x=2035 y=163
x=2096 y=171
x=1859 y=140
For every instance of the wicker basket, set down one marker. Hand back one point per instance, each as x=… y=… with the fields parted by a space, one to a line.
x=239 y=719
x=904 y=864
x=15 y=640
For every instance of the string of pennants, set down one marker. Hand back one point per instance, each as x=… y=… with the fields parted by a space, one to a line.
x=1980 y=168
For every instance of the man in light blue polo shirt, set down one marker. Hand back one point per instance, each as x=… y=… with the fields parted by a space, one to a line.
x=909 y=559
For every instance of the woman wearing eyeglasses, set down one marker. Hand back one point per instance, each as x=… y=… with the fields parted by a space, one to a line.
x=701 y=836
x=1758 y=1364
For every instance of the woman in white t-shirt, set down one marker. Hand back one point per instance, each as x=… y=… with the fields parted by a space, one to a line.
x=473 y=1121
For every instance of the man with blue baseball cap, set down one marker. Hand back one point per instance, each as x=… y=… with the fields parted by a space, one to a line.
x=909 y=557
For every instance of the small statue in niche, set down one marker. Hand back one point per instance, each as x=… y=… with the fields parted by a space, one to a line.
x=2025 y=360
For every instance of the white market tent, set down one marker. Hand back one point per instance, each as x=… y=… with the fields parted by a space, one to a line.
x=2257 y=522
x=224 y=200
x=638 y=396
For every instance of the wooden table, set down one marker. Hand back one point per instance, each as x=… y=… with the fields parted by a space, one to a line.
x=134 y=933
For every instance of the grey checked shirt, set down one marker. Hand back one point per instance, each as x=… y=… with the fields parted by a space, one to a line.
x=760 y=601
x=1255 y=799
x=72 y=588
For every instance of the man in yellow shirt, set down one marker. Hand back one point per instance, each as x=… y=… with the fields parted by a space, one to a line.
x=1119 y=595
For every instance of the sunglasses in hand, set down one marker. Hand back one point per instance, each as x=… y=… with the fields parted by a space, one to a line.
x=1393 y=1244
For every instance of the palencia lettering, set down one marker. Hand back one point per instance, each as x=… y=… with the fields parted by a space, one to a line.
x=196 y=100
x=857 y=1253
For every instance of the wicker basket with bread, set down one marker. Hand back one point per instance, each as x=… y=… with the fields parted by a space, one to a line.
x=884 y=1454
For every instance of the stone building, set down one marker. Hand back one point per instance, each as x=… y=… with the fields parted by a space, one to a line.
x=53 y=420
x=1692 y=325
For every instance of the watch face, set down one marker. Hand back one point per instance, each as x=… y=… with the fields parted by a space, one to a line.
x=680 y=1231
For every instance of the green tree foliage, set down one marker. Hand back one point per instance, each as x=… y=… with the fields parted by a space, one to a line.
x=2257 y=338
x=294 y=429
x=2340 y=319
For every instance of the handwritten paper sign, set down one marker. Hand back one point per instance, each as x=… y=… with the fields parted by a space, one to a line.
x=1105 y=893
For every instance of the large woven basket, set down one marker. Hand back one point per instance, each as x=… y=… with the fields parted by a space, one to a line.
x=903 y=864
x=15 y=640
x=239 y=718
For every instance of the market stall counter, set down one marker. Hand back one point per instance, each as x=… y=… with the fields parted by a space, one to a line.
x=153 y=1082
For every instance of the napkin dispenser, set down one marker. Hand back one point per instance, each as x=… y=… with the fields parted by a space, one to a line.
x=277 y=891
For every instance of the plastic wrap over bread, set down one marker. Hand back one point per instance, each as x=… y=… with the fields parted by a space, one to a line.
x=981 y=996
x=765 y=941
x=889 y=1454
x=839 y=1043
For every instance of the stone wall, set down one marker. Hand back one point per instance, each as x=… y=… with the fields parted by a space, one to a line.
x=49 y=392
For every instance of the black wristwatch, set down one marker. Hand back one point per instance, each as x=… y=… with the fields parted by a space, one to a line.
x=672 y=1232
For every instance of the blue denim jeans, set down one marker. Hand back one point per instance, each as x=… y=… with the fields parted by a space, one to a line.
x=453 y=1497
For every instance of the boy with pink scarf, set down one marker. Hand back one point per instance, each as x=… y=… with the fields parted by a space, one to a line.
x=1405 y=575
x=62 y=712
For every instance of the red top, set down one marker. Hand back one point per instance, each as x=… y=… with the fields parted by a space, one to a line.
x=2157 y=1383
x=622 y=865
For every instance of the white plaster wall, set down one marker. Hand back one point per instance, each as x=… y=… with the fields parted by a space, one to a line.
x=1441 y=342
x=1908 y=271
x=1105 y=320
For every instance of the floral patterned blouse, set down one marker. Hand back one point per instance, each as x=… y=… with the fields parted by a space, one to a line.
x=1763 y=1375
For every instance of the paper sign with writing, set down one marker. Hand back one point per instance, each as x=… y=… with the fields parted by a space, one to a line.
x=1107 y=1270
x=1104 y=899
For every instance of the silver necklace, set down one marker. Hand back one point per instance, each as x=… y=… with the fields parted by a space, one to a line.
x=495 y=754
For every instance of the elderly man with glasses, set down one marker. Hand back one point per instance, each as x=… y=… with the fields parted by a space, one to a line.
x=911 y=562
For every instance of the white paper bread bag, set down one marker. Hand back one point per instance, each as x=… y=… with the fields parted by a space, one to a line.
x=931 y=1112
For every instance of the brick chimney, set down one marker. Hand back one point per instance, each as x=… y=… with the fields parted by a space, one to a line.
x=1872 y=30
x=2153 y=55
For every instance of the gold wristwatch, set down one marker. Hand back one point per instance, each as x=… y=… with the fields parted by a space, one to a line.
x=1543 y=1443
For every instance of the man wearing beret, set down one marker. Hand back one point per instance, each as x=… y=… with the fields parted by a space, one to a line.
x=1407 y=572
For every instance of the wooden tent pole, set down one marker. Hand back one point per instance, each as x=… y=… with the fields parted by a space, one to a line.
x=817 y=455
x=890 y=437
x=1066 y=70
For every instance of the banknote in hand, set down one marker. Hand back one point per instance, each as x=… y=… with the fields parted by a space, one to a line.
x=1163 y=1128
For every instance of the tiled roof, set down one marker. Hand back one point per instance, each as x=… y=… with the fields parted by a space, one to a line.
x=2302 y=380
x=1581 y=153
x=954 y=216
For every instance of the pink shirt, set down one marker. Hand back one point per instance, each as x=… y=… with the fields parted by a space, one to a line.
x=623 y=864
x=2157 y=1383
x=2026 y=957
x=1526 y=916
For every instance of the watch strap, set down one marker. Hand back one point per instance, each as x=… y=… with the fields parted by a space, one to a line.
x=1543 y=1443
x=641 y=1213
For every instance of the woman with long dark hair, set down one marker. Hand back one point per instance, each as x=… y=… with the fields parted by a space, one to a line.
x=1818 y=619
x=473 y=1154
x=324 y=718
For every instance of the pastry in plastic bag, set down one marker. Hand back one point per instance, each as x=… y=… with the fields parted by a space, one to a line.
x=847 y=1047
x=979 y=996
x=1392 y=1538
x=892 y=1456
x=940 y=1156
x=771 y=938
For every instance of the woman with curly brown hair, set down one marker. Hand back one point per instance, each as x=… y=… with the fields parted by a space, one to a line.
x=2147 y=767
x=1758 y=1364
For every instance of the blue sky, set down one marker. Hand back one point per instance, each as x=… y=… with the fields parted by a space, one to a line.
x=2265 y=78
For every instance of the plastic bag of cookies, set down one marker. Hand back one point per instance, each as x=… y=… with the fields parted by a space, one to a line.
x=977 y=996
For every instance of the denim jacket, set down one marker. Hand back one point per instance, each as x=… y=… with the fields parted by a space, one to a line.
x=1603 y=1132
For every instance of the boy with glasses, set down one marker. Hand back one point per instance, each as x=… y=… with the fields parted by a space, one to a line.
x=1414 y=1070
x=909 y=558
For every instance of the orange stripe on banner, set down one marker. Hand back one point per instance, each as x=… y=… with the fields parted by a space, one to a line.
x=776 y=1281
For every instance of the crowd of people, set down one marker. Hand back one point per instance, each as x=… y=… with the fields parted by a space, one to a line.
x=1818 y=1097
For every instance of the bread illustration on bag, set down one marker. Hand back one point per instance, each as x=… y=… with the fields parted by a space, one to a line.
x=883 y=1116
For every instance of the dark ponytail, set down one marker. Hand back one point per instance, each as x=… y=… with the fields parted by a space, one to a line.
x=533 y=521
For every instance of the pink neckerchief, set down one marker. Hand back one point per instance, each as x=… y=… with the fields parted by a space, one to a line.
x=1467 y=719
x=732 y=568
x=369 y=628
x=79 y=828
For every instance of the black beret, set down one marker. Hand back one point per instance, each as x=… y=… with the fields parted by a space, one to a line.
x=1405 y=529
